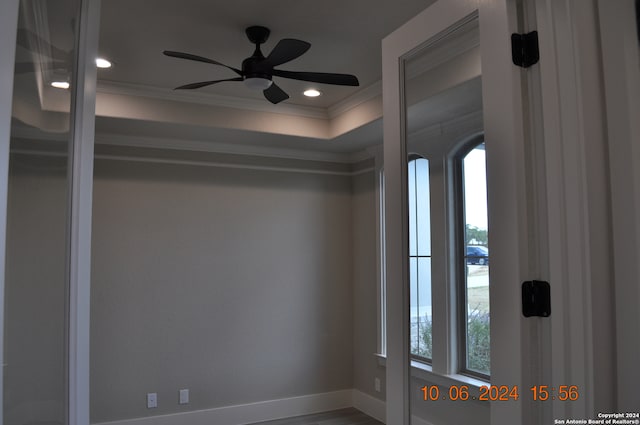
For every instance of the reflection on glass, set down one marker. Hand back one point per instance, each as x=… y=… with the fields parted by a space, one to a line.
x=420 y=258
x=476 y=261
x=442 y=90
x=35 y=384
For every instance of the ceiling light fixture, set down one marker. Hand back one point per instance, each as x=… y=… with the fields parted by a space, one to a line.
x=258 y=83
x=103 y=63
x=60 y=84
x=312 y=93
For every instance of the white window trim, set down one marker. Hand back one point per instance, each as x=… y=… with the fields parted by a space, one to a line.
x=444 y=369
x=446 y=330
x=456 y=157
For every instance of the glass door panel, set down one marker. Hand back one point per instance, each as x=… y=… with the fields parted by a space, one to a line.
x=36 y=288
x=443 y=110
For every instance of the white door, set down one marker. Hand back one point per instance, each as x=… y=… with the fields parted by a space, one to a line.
x=620 y=35
x=435 y=120
x=587 y=121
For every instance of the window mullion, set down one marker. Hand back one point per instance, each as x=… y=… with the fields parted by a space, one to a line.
x=440 y=288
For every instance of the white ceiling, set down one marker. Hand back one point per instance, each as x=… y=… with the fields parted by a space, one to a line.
x=136 y=102
x=345 y=37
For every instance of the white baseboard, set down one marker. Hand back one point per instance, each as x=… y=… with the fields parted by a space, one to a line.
x=252 y=412
x=273 y=409
x=372 y=406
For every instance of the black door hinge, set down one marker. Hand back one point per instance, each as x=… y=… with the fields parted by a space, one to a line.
x=536 y=299
x=524 y=49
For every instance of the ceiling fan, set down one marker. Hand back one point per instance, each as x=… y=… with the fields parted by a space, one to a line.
x=258 y=71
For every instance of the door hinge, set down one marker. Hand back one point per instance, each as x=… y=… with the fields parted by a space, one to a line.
x=524 y=49
x=536 y=299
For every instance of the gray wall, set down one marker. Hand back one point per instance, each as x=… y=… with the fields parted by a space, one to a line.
x=365 y=338
x=234 y=283
x=35 y=291
x=241 y=285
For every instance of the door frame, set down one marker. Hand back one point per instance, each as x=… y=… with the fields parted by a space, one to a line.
x=504 y=132
x=80 y=194
x=83 y=107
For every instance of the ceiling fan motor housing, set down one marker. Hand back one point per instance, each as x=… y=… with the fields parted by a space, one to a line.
x=257 y=67
x=257 y=34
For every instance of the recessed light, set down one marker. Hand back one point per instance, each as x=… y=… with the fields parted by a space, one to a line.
x=312 y=93
x=60 y=84
x=103 y=63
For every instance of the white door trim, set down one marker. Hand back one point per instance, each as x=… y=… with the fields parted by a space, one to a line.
x=81 y=195
x=505 y=137
x=398 y=45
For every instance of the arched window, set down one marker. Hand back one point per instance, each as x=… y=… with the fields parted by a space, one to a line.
x=474 y=315
x=420 y=258
x=448 y=260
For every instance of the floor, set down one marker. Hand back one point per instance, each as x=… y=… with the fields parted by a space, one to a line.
x=348 y=416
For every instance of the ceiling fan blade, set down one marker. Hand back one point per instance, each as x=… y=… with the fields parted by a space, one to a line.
x=205 y=83
x=197 y=58
x=275 y=94
x=319 y=77
x=287 y=50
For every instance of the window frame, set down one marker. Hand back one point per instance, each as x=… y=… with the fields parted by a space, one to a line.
x=426 y=360
x=458 y=154
x=445 y=367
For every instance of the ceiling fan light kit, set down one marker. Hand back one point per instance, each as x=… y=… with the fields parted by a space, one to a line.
x=257 y=83
x=258 y=71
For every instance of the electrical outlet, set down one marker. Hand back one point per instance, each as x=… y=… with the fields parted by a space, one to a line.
x=184 y=396
x=152 y=400
x=376 y=384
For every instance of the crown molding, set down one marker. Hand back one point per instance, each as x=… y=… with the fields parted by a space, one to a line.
x=139 y=90
x=223 y=148
x=370 y=92
x=471 y=121
x=362 y=155
x=202 y=146
x=127 y=89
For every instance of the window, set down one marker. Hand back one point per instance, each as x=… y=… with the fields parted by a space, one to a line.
x=420 y=258
x=449 y=257
x=474 y=311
